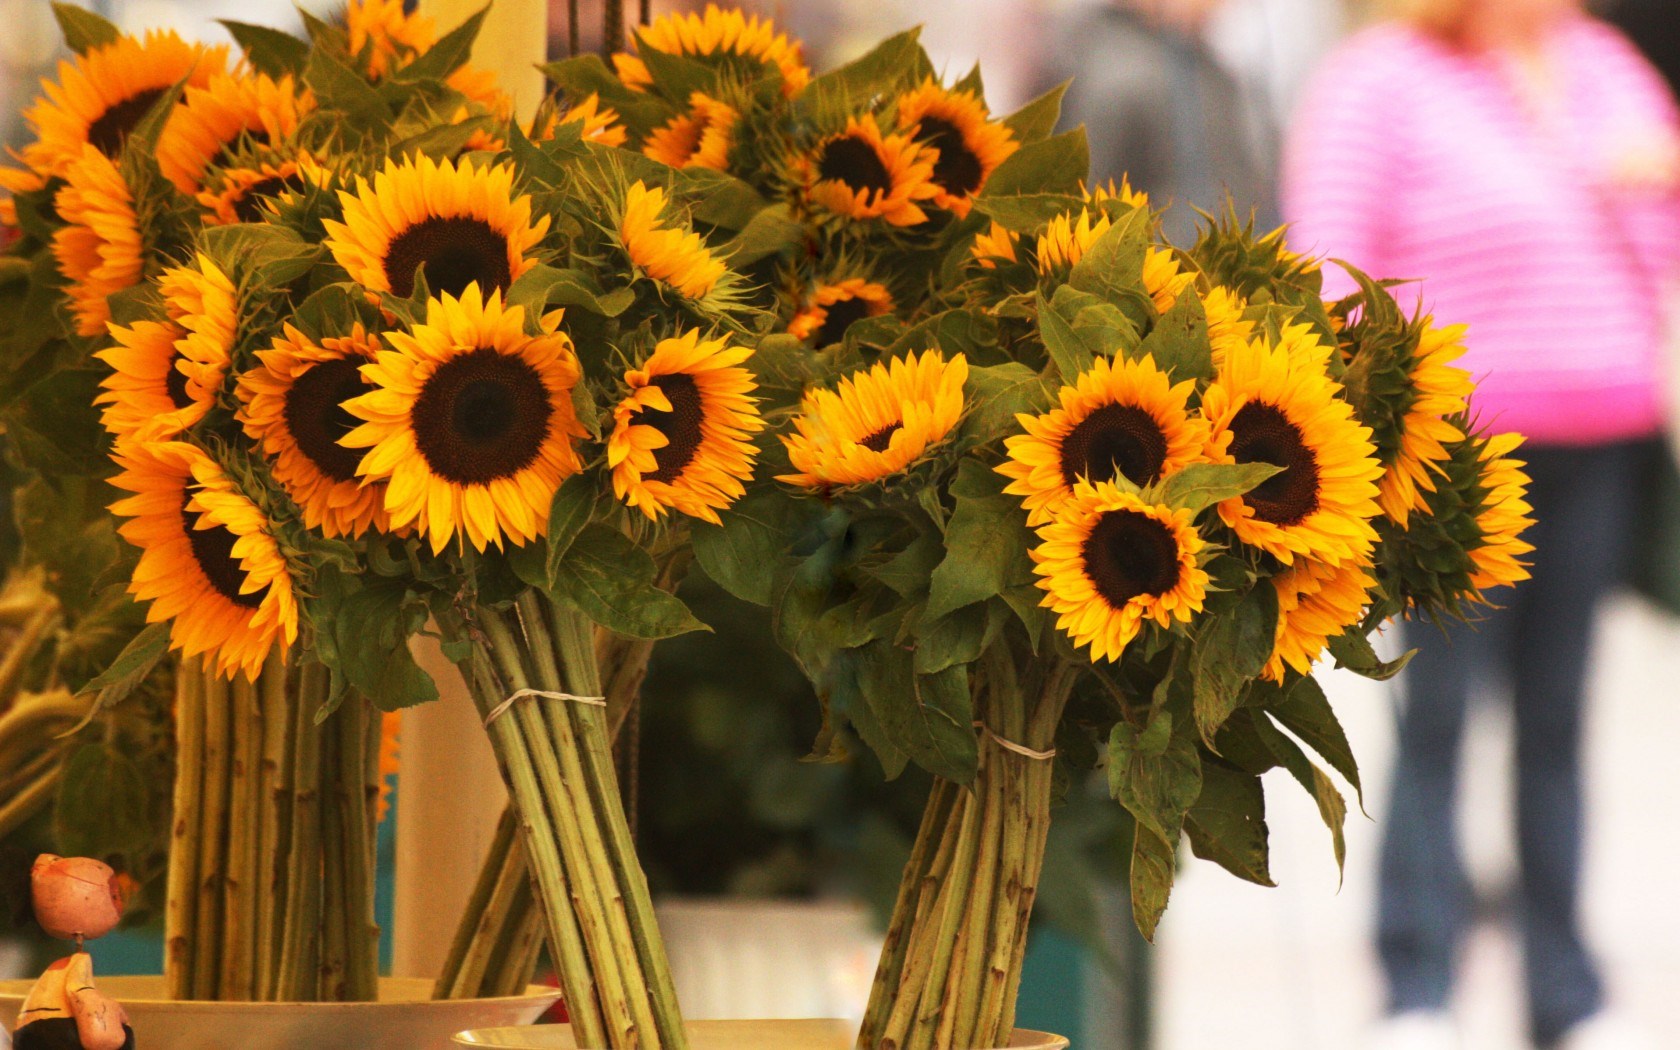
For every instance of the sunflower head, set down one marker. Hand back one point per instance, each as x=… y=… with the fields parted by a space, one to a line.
x=1316 y=602
x=698 y=138
x=863 y=174
x=292 y=406
x=994 y=245
x=1466 y=539
x=969 y=143
x=251 y=194
x=462 y=223
x=833 y=308
x=681 y=436
x=876 y=423
x=99 y=249
x=600 y=123
x=208 y=564
x=100 y=97
x=1110 y=561
x=227 y=121
x=1270 y=405
x=470 y=422
x=671 y=254
x=1122 y=418
x=1403 y=384
x=745 y=44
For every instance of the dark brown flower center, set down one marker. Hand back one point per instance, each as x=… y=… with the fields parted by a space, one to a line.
x=316 y=416
x=111 y=130
x=855 y=163
x=878 y=441
x=837 y=317
x=1261 y=433
x=681 y=426
x=249 y=206
x=212 y=549
x=1130 y=555
x=1114 y=440
x=175 y=382
x=482 y=416
x=957 y=171
x=456 y=251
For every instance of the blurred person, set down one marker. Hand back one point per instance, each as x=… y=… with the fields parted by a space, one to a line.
x=1524 y=160
x=1162 y=110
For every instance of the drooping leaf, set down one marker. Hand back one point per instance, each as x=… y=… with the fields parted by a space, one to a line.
x=131 y=667
x=611 y=580
x=1353 y=650
x=739 y=554
x=1332 y=808
x=1304 y=710
x=1154 y=864
x=1227 y=825
x=930 y=717
x=1156 y=774
x=1231 y=648
x=985 y=543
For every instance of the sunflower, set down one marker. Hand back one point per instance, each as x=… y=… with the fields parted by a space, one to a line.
x=250 y=194
x=462 y=223
x=833 y=308
x=861 y=174
x=99 y=248
x=1268 y=406
x=1109 y=561
x=876 y=423
x=600 y=123
x=207 y=560
x=470 y=421
x=214 y=123
x=1122 y=418
x=995 y=245
x=100 y=97
x=1415 y=442
x=292 y=405
x=1316 y=602
x=971 y=145
x=203 y=301
x=680 y=439
x=699 y=138
x=384 y=36
x=729 y=36
x=672 y=255
x=1502 y=517
x=1226 y=325
x=1068 y=237
x=1108 y=191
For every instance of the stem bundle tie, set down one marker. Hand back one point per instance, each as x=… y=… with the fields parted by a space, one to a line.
x=1020 y=749
x=496 y=712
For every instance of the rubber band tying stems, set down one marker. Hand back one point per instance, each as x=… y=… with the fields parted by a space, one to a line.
x=592 y=701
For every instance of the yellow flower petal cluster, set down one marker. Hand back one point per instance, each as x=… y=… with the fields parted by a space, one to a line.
x=1439 y=391
x=208 y=128
x=1316 y=602
x=876 y=423
x=99 y=249
x=699 y=138
x=672 y=255
x=717 y=33
x=970 y=144
x=832 y=309
x=862 y=174
x=165 y=375
x=1504 y=516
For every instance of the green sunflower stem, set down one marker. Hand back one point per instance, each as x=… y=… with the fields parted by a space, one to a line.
x=556 y=757
x=950 y=968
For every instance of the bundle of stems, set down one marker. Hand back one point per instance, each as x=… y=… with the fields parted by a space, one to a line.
x=950 y=970
x=498 y=942
x=556 y=756
x=33 y=725
x=271 y=860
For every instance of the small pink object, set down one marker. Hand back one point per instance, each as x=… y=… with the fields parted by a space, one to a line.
x=76 y=898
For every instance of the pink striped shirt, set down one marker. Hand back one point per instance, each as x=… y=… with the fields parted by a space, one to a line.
x=1411 y=158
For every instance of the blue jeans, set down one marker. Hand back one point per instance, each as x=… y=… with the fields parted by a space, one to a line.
x=1584 y=501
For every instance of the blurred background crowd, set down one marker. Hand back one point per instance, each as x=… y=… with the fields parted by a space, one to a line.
x=1514 y=885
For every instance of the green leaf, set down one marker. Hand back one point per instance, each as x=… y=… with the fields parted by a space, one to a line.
x=83 y=30
x=1332 y=808
x=131 y=667
x=544 y=286
x=447 y=55
x=103 y=804
x=275 y=255
x=1001 y=392
x=956 y=638
x=738 y=555
x=338 y=87
x=1353 y=650
x=570 y=510
x=1227 y=825
x=771 y=231
x=267 y=49
x=1232 y=648
x=1154 y=863
x=1113 y=267
x=1155 y=774
x=1070 y=353
x=372 y=626
x=1026 y=212
x=1037 y=119
x=930 y=717
x=1304 y=710
x=890 y=62
x=985 y=543
x=1053 y=165
x=1200 y=485
x=909 y=572
x=611 y=580
x=1179 y=341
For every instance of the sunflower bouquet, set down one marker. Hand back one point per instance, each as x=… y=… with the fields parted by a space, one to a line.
x=1097 y=502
